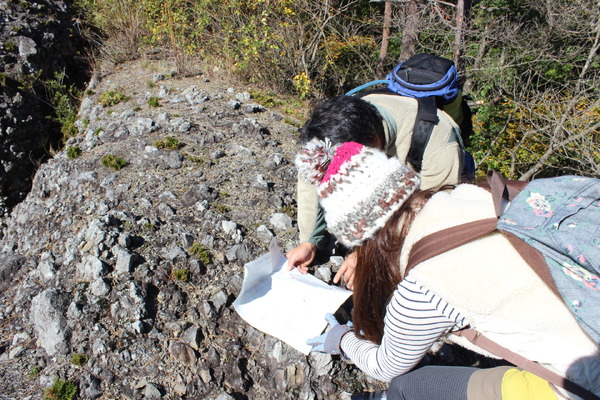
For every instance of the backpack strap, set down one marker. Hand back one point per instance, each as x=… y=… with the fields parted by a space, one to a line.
x=426 y=119
x=448 y=239
x=483 y=342
x=503 y=191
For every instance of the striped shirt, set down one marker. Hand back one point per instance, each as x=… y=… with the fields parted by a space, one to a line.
x=415 y=319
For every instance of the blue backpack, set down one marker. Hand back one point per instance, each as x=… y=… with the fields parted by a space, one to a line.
x=433 y=82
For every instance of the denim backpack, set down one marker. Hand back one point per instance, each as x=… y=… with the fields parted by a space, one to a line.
x=560 y=217
x=554 y=224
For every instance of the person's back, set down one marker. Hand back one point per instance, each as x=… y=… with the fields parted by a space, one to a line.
x=485 y=285
x=443 y=156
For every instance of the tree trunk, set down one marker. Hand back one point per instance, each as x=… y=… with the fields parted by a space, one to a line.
x=459 y=30
x=385 y=37
x=410 y=34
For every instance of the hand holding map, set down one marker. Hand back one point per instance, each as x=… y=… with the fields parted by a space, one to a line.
x=286 y=304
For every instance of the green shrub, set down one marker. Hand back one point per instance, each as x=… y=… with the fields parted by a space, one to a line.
x=61 y=390
x=34 y=371
x=10 y=46
x=154 y=102
x=201 y=252
x=73 y=152
x=170 y=143
x=112 y=97
x=112 y=161
x=182 y=275
x=64 y=99
x=194 y=159
x=79 y=359
x=221 y=208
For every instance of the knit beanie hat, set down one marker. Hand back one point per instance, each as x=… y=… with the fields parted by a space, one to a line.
x=359 y=187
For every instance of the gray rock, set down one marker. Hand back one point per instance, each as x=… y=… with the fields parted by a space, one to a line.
x=91 y=268
x=260 y=183
x=151 y=392
x=281 y=221
x=100 y=287
x=183 y=353
x=238 y=252
x=192 y=336
x=90 y=386
x=264 y=234
x=125 y=260
x=47 y=315
x=243 y=96
x=323 y=273
x=234 y=105
x=27 y=46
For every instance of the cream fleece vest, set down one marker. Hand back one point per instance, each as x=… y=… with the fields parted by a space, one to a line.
x=489 y=283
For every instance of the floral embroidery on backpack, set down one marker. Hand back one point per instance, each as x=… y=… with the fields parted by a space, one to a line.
x=540 y=205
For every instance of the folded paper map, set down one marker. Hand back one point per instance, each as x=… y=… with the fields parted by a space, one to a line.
x=286 y=304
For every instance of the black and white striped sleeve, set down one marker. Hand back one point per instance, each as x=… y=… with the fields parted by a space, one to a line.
x=415 y=318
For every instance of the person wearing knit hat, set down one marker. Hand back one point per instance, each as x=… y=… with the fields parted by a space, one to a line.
x=376 y=120
x=373 y=204
x=361 y=187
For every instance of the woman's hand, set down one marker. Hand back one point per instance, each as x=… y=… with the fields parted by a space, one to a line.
x=347 y=271
x=301 y=256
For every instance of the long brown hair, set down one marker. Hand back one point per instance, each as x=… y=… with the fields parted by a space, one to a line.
x=378 y=269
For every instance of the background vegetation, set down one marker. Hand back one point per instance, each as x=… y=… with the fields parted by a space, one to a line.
x=530 y=67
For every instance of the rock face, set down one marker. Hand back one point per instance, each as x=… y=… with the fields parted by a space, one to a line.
x=137 y=268
x=38 y=38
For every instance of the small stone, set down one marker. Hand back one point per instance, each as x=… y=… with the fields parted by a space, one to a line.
x=16 y=352
x=205 y=376
x=152 y=392
x=323 y=273
x=100 y=287
x=182 y=353
x=264 y=234
x=180 y=389
x=192 y=336
x=281 y=221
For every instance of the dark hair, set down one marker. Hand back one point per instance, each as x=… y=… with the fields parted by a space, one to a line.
x=378 y=269
x=344 y=119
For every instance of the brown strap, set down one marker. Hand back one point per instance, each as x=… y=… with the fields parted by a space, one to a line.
x=478 y=339
x=502 y=190
x=450 y=238
x=447 y=239
x=535 y=259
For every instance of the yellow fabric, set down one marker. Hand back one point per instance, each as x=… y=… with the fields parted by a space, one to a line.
x=523 y=385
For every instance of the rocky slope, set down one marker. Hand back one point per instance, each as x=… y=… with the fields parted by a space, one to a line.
x=92 y=260
x=135 y=269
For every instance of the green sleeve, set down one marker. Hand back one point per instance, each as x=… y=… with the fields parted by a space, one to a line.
x=317 y=237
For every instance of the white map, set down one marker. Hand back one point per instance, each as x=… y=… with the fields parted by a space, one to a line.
x=286 y=304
